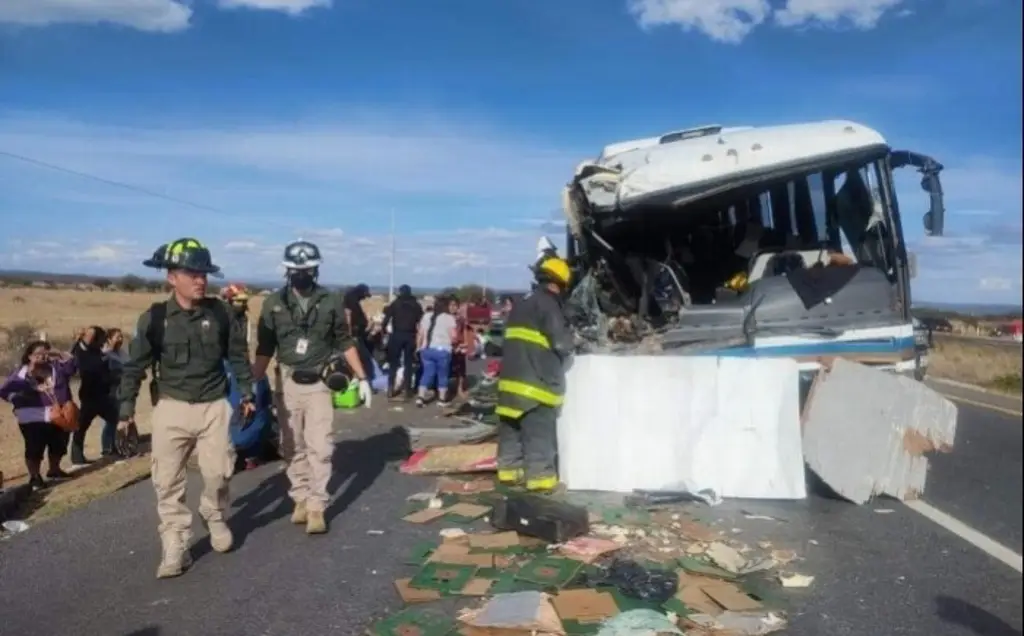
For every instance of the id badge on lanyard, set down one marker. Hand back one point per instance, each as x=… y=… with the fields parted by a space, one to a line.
x=301 y=346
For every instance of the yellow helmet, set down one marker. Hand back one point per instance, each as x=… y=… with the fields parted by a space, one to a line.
x=555 y=270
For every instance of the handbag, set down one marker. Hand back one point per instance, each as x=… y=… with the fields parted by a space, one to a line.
x=64 y=416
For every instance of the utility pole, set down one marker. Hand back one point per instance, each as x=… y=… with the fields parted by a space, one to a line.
x=391 y=273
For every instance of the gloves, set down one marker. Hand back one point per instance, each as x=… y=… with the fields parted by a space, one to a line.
x=365 y=393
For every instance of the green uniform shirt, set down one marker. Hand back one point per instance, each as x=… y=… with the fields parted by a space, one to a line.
x=302 y=337
x=191 y=358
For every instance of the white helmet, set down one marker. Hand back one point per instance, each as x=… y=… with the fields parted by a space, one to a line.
x=301 y=255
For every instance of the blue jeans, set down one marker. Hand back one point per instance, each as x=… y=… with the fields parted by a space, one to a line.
x=437 y=365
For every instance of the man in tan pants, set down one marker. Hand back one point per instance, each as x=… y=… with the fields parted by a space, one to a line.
x=304 y=325
x=186 y=340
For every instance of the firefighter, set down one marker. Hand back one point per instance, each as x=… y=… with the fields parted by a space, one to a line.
x=537 y=346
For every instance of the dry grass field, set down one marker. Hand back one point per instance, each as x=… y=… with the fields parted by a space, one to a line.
x=60 y=313
x=995 y=365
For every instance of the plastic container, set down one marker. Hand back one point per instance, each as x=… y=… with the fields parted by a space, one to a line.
x=348 y=399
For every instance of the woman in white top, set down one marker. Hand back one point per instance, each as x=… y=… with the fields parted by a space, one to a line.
x=434 y=342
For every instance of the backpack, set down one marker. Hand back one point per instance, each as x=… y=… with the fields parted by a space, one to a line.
x=155 y=337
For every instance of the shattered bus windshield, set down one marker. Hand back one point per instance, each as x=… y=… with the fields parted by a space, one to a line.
x=811 y=246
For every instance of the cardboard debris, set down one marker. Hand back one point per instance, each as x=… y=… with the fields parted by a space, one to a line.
x=442 y=460
x=461 y=555
x=449 y=486
x=866 y=447
x=467 y=510
x=527 y=613
x=587 y=549
x=494 y=540
x=425 y=516
x=411 y=595
x=726 y=557
x=585 y=606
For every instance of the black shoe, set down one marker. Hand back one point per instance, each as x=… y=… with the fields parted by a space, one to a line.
x=58 y=474
x=80 y=461
x=37 y=483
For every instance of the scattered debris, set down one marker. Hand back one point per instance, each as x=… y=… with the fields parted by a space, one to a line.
x=863 y=448
x=445 y=460
x=588 y=549
x=739 y=623
x=726 y=557
x=530 y=613
x=793 y=579
x=639 y=622
x=884 y=511
x=15 y=526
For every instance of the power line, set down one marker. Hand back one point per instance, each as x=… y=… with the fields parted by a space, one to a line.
x=110 y=182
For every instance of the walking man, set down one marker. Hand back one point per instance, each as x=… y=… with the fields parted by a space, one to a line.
x=403 y=315
x=304 y=325
x=185 y=340
x=531 y=387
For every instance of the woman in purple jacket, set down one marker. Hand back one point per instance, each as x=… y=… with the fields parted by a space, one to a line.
x=42 y=381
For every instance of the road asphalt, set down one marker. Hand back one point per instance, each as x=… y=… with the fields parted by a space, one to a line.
x=880 y=568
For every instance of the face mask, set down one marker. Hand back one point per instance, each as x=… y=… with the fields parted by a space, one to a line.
x=301 y=280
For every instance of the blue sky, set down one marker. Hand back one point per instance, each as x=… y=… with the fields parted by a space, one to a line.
x=267 y=120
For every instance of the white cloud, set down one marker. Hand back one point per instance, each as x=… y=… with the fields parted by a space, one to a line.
x=291 y=7
x=730 y=21
x=996 y=284
x=101 y=253
x=163 y=16
x=157 y=16
x=723 y=20
x=862 y=14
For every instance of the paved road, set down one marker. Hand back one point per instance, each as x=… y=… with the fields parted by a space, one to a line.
x=91 y=572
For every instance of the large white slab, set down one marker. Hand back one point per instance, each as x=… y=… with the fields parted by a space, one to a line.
x=676 y=422
x=867 y=431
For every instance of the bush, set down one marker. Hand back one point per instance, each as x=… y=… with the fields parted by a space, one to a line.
x=155 y=287
x=102 y=283
x=131 y=283
x=1008 y=383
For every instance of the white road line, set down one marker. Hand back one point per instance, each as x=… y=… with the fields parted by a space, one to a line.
x=984 y=405
x=970 y=535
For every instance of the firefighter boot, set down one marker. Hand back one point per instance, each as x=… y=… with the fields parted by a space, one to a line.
x=176 y=558
x=315 y=522
x=510 y=476
x=542 y=484
x=299 y=513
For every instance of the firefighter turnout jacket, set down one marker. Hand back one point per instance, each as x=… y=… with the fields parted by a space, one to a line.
x=537 y=343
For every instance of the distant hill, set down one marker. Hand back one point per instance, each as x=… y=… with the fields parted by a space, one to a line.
x=968 y=309
x=29 y=276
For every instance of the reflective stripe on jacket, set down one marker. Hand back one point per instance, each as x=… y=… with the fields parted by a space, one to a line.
x=537 y=342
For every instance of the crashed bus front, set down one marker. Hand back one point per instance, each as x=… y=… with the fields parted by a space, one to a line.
x=772 y=241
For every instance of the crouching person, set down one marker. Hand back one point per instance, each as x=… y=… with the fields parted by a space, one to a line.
x=304 y=325
x=185 y=340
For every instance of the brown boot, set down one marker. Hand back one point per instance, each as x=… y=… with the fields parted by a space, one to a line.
x=315 y=522
x=176 y=558
x=299 y=513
